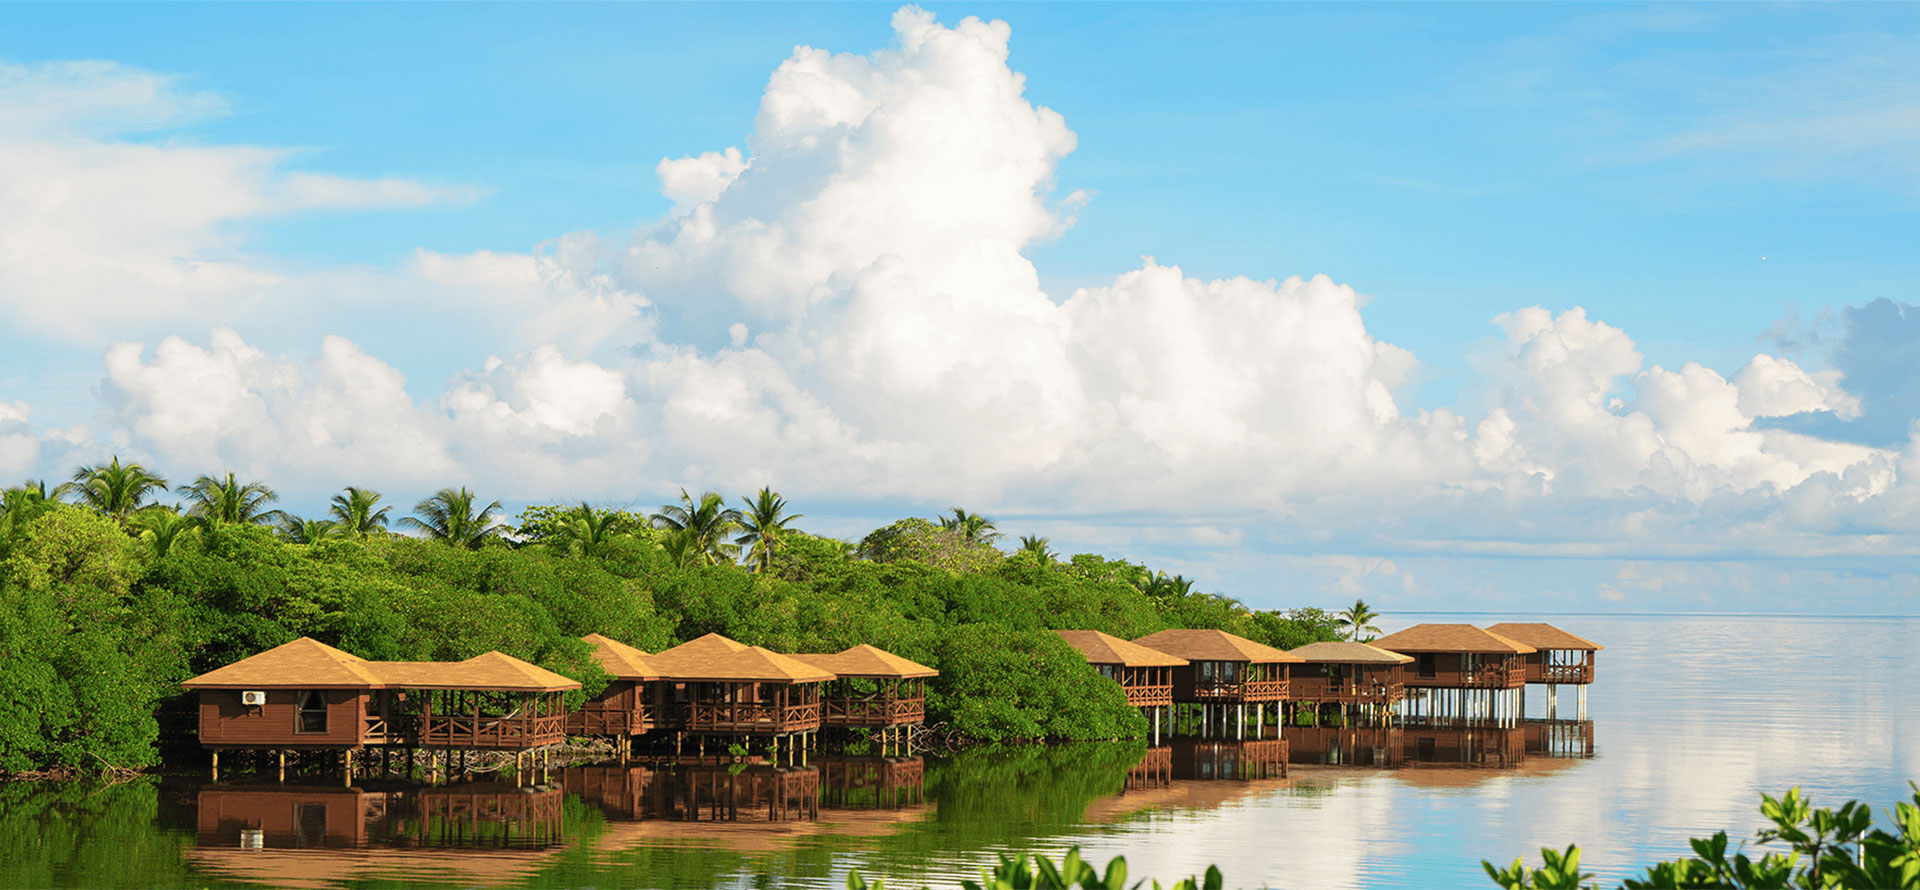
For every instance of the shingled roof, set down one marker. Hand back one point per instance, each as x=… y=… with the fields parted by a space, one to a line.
x=1102 y=648
x=621 y=661
x=1451 y=638
x=866 y=661
x=1541 y=635
x=1344 y=652
x=307 y=663
x=714 y=657
x=1213 y=645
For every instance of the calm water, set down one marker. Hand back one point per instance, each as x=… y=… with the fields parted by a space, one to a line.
x=1690 y=719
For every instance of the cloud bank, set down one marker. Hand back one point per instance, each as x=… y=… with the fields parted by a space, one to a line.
x=842 y=306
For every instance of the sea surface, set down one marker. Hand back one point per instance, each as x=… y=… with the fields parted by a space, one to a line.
x=1689 y=720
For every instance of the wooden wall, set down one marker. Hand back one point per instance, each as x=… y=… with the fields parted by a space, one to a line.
x=225 y=722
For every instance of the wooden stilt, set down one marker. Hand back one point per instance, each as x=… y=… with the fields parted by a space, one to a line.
x=283 y=765
x=216 y=764
x=349 y=759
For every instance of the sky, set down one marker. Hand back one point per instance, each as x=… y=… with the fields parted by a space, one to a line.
x=1453 y=307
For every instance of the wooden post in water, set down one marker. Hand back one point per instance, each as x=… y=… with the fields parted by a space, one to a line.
x=283 y=765
x=349 y=759
x=216 y=764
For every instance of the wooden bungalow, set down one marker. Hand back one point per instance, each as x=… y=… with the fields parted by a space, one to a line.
x=308 y=696
x=1560 y=658
x=1462 y=671
x=1222 y=671
x=714 y=686
x=874 y=689
x=630 y=704
x=1348 y=675
x=1145 y=675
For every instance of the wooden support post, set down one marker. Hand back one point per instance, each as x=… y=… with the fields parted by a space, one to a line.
x=349 y=760
x=283 y=765
x=216 y=764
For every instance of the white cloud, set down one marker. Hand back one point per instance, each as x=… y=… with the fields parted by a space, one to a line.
x=19 y=445
x=98 y=234
x=846 y=310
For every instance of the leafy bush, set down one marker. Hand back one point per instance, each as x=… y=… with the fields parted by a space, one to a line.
x=1039 y=873
x=1826 y=848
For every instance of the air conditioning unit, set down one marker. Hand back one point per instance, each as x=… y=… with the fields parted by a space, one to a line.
x=253 y=697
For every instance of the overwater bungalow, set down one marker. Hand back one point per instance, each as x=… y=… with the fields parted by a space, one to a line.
x=714 y=686
x=1348 y=674
x=874 y=689
x=630 y=704
x=1144 y=674
x=1224 y=671
x=1560 y=658
x=1461 y=671
x=308 y=696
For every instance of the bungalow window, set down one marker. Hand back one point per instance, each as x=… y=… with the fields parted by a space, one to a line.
x=311 y=715
x=1428 y=664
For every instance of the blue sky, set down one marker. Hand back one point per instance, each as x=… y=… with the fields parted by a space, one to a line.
x=451 y=189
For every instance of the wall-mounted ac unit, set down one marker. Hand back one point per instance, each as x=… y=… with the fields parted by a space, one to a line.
x=253 y=697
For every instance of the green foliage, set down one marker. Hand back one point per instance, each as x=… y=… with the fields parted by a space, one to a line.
x=1825 y=848
x=1039 y=873
x=115 y=489
x=227 y=499
x=946 y=547
x=355 y=515
x=700 y=529
x=1358 y=619
x=71 y=547
x=451 y=517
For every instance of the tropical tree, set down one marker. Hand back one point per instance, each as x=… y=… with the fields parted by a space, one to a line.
x=354 y=515
x=19 y=507
x=115 y=489
x=227 y=499
x=708 y=521
x=763 y=521
x=975 y=528
x=1165 y=585
x=448 y=515
x=583 y=529
x=1358 y=619
x=683 y=548
x=1037 y=546
x=308 y=531
x=161 y=526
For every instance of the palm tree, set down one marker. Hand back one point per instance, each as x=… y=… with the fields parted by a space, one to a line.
x=683 y=548
x=448 y=516
x=227 y=500
x=161 y=527
x=973 y=527
x=584 y=529
x=763 y=522
x=114 y=489
x=1164 y=584
x=708 y=521
x=354 y=515
x=1359 y=619
x=1037 y=546
x=20 y=506
x=308 y=531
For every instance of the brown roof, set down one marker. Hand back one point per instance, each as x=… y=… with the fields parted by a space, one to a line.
x=307 y=663
x=1212 y=645
x=714 y=657
x=867 y=661
x=493 y=670
x=1450 y=638
x=1541 y=635
x=621 y=661
x=1102 y=648
x=1345 y=652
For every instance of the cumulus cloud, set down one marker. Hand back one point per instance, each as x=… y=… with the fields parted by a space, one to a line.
x=846 y=308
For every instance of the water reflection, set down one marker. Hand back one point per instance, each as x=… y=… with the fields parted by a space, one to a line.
x=1690 y=739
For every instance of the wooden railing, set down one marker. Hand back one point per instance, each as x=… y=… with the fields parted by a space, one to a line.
x=611 y=721
x=1251 y=690
x=1560 y=673
x=468 y=731
x=873 y=710
x=1149 y=695
x=1314 y=689
x=727 y=716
